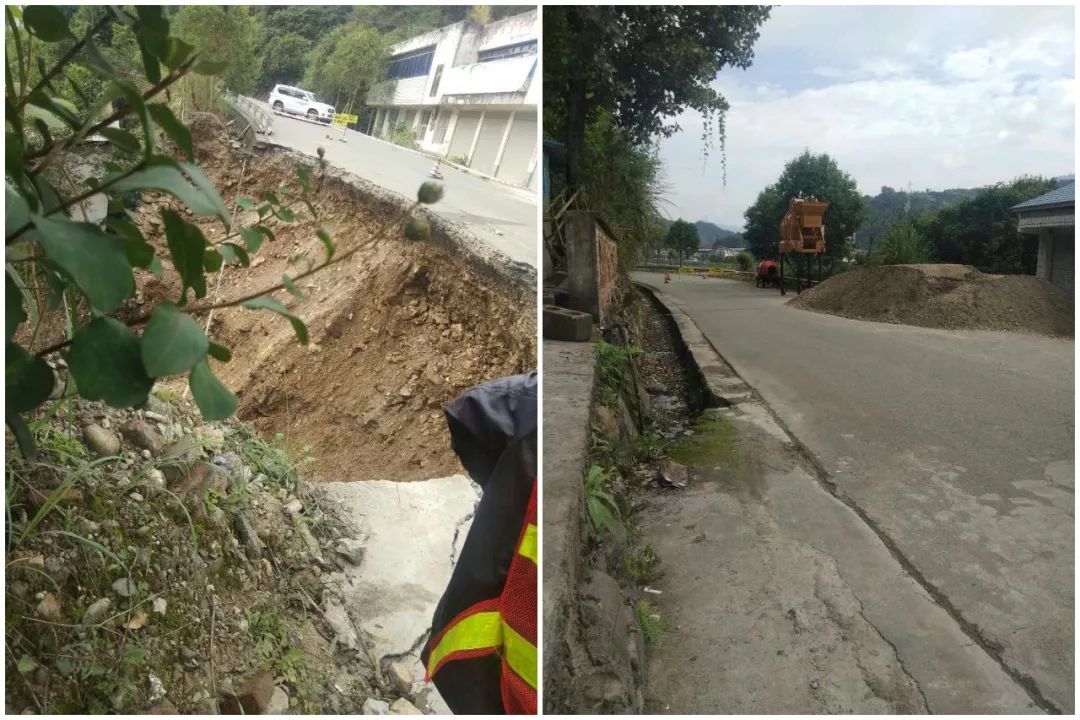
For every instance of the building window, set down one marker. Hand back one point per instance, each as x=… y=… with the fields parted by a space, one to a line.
x=435 y=82
x=508 y=51
x=425 y=120
x=414 y=64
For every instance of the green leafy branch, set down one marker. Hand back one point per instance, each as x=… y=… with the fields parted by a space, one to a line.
x=82 y=264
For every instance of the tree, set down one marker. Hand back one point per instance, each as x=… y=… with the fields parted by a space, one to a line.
x=228 y=34
x=284 y=60
x=808 y=175
x=644 y=64
x=115 y=350
x=682 y=239
x=981 y=231
x=347 y=64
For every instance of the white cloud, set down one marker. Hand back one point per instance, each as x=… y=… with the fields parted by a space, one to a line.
x=964 y=114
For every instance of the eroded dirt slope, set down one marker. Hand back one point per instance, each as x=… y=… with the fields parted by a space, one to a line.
x=397 y=331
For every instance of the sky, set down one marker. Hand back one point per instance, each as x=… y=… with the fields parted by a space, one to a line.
x=938 y=97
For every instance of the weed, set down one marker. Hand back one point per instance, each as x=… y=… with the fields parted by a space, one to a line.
x=601 y=505
x=270 y=458
x=611 y=361
x=639 y=565
x=652 y=624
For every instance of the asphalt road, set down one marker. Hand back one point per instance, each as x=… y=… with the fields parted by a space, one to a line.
x=501 y=216
x=955 y=446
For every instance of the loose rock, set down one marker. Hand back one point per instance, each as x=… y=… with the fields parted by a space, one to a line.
x=401 y=706
x=100 y=441
x=376 y=707
x=279 y=702
x=96 y=612
x=142 y=435
x=124 y=587
x=401 y=678
x=49 y=607
x=253 y=698
x=351 y=549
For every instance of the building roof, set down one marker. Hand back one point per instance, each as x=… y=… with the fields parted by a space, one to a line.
x=1064 y=195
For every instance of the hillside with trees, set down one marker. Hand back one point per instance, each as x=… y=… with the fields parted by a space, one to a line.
x=891 y=206
x=712 y=235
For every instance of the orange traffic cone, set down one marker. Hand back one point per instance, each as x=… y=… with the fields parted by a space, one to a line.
x=436 y=172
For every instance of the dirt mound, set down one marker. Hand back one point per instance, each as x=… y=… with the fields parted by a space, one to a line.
x=943 y=296
x=397 y=332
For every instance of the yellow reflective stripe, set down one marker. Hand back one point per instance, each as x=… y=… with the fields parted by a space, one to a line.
x=476 y=631
x=484 y=630
x=528 y=544
x=520 y=655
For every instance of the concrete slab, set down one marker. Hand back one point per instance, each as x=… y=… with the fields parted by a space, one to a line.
x=412 y=533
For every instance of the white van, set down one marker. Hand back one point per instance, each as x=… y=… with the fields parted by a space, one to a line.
x=294 y=101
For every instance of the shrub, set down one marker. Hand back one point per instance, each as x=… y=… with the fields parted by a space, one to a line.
x=904 y=245
x=403 y=136
x=744 y=261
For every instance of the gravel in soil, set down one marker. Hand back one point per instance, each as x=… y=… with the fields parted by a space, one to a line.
x=945 y=296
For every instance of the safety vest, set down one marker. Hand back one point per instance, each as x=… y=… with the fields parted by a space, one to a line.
x=502 y=626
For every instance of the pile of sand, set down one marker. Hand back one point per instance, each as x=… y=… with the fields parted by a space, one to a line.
x=944 y=296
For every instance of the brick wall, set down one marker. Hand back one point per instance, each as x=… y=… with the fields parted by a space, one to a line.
x=607 y=261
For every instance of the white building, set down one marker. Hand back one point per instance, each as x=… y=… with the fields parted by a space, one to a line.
x=470 y=93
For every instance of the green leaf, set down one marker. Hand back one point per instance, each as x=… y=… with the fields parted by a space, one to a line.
x=234 y=254
x=14 y=314
x=150 y=62
x=47 y=22
x=186 y=246
x=34 y=112
x=327 y=242
x=128 y=91
x=212 y=260
x=269 y=303
x=122 y=139
x=23 y=437
x=172 y=342
x=28 y=380
x=176 y=131
x=272 y=198
x=97 y=262
x=16 y=211
x=246 y=203
x=214 y=399
x=105 y=359
x=252 y=238
x=139 y=252
x=286 y=214
x=170 y=179
x=209 y=67
x=134 y=656
x=220 y=352
x=27 y=664
x=305 y=178
x=152 y=17
x=291 y=287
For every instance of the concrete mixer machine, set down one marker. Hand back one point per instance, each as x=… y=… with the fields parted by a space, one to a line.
x=802 y=231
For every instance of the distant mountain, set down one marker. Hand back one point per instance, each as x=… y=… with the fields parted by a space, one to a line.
x=890 y=206
x=713 y=235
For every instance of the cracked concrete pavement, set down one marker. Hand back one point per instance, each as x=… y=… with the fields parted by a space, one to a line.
x=412 y=533
x=955 y=448
x=781 y=598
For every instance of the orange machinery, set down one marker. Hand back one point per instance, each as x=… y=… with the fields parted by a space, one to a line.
x=802 y=230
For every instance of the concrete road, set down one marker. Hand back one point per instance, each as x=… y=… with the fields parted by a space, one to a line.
x=956 y=447
x=502 y=216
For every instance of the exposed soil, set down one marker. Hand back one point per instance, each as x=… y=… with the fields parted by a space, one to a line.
x=397 y=331
x=944 y=296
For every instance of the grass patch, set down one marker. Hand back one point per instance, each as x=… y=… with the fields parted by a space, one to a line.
x=611 y=361
x=713 y=442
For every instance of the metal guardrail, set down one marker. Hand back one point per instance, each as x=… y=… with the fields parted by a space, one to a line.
x=259 y=118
